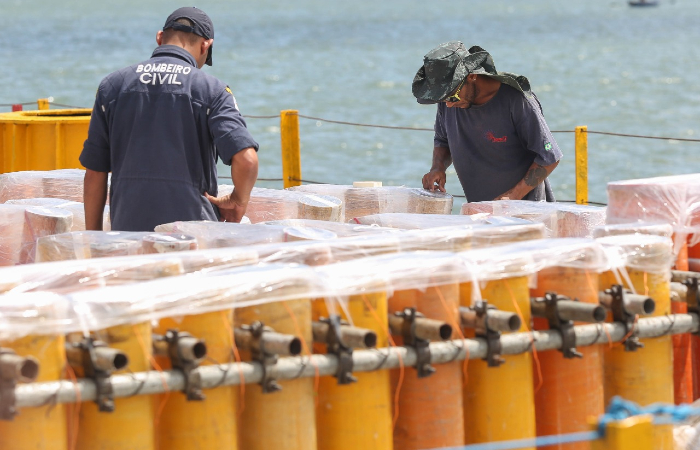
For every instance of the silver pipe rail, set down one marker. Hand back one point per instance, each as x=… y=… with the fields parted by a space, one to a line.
x=153 y=382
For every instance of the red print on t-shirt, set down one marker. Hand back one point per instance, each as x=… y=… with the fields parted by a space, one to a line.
x=493 y=138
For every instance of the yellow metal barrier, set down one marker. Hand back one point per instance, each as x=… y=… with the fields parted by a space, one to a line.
x=582 y=165
x=633 y=433
x=291 y=155
x=42 y=140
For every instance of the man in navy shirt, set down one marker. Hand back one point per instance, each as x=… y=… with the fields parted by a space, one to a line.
x=489 y=124
x=159 y=127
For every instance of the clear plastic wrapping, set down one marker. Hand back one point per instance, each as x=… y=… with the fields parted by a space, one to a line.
x=651 y=228
x=76 y=208
x=21 y=226
x=647 y=253
x=101 y=244
x=361 y=202
x=340 y=229
x=560 y=219
x=674 y=200
x=407 y=221
x=66 y=184
x=274 y=204
x=225 y=234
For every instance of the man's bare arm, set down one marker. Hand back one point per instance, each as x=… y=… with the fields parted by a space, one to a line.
x=533 y=177
x=244 y=173
x=436 y=178
x=94 y=198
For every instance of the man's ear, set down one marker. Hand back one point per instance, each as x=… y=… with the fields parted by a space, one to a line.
x=159 y=38
x=206 y=43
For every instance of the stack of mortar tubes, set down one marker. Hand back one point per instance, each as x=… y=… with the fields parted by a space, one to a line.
x=326 y=364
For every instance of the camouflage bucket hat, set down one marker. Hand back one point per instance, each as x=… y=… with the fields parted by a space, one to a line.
x=447 y=65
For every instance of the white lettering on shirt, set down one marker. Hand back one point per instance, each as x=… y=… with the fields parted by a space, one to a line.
x=161 y=73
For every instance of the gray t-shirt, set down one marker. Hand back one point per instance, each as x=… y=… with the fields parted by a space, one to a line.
x=494 y=144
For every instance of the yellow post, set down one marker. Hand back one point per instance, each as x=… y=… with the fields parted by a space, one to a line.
x=633 y=433
x=582 y=165
x=291 y=155
x=43 y=103
x=43 y=427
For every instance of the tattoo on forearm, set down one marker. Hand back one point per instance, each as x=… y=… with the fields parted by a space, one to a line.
x=535 y=175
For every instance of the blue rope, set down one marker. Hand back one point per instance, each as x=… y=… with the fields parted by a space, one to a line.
x=620 y=409
x=541 y=441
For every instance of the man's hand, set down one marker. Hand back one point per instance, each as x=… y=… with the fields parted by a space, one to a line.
x=435 y=179
x=231 y=209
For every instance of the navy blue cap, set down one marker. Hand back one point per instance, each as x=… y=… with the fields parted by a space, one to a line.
x=202 y=24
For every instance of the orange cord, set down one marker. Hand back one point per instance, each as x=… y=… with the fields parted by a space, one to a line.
x=154 y=363
x=538 y=367
x=385 y=327
x=457 y=326
x=237 y=358
x=306 y=349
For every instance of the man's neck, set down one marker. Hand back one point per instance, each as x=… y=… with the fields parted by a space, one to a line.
x=488 y=88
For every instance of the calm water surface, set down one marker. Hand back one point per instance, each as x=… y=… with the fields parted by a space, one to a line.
x=599 y=63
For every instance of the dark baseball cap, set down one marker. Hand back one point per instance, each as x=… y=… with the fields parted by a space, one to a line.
x=446 y=66
x=202 y=24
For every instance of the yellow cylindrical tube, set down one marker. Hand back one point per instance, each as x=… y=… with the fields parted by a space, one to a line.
x=207 y=424
x=358 y=415
x=291 y=149
x=499 y=402
x=44 y=427
x=571 y=390
x=431 y=412
x=644 y=376
x=131 y=424
x=582 y=165
x=283 y=420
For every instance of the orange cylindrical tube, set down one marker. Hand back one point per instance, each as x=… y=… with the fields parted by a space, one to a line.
x=283 y=420
x=430 y=410
x=682 y=361
x=131 y=424
x=210 y=423
x=499 y=401
x=44 y=427
x=571 y=390
x=358 y=415
x=644 y=376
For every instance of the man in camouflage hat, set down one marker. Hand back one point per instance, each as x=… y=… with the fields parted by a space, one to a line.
x=488 y=123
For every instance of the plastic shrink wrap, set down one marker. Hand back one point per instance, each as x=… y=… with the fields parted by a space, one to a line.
x=375 y=200
x=275 y=204
x=76 y=208
x=340 y=229
x=674 y=200
x=561 y=219
x=100 y=244
x=225 y=234
x=65 y=184
x=21 y=226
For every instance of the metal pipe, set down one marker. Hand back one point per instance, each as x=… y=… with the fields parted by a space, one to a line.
x=428 y=329
x=494 y=320
x=152 y=382
x=679 y=291
x=352 y=337
x=269 y=342
x=570 y=310
x=106 y=359
x=679 y=276
x=23 y=369
x=188 y=348
x=633 y=303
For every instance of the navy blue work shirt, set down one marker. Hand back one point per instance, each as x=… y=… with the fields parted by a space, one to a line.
x=493 y=145
x=159 y=126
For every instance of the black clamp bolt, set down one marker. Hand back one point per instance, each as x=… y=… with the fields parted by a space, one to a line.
x=14 y=369
x=407 y=323
x=186 y=353
x=492 y=336
x=336 y=346
x=550 y=304
x=625 y=307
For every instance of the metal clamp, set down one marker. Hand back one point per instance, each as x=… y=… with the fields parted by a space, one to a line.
x=407 y=323
x=98 y=361
x=625 y=307
x=335 y=345
x=186 y=353
x=494 y=348
x=14 y=369
x=548 y=308
x=265 y=346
